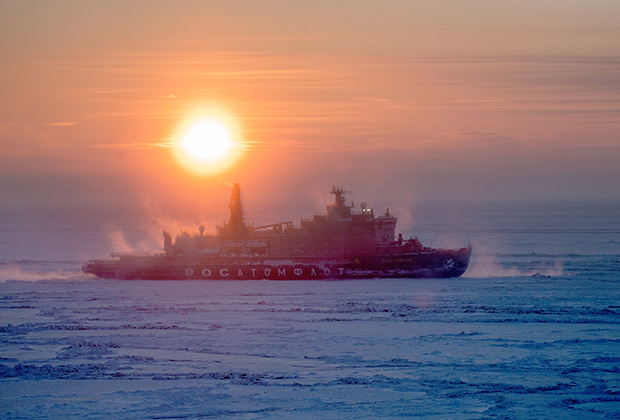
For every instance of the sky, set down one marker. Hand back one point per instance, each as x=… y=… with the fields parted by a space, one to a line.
x=401 y=101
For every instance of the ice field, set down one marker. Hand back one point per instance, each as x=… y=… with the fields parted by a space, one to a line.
x=531 y=332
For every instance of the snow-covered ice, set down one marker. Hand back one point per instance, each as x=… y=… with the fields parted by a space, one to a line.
x=532 y=331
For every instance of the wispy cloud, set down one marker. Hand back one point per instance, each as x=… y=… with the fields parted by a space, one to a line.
x=132 y=146
x=62 y=124
x=363 y=98
x=170 y=96
x=475 y=101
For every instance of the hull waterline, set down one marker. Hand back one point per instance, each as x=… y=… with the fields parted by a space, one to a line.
x=440 y=264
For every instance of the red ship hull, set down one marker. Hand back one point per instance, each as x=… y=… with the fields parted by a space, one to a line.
x=431 y=264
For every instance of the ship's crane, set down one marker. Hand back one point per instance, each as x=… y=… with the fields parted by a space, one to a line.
x=273 y=225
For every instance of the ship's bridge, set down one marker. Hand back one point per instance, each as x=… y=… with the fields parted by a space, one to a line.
x=385 y=227
x=365 y=226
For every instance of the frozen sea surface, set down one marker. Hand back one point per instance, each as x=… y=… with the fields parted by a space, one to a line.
x=531 y=332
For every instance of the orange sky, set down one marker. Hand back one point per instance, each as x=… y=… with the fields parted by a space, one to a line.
x=406 y=101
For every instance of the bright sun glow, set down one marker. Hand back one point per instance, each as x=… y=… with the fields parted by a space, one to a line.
x=207 y=142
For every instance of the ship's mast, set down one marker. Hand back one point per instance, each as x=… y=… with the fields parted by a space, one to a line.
x=338 y=192
x=236 y=223
x=338 y=210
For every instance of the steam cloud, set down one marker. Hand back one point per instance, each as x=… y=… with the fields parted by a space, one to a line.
x=13 y=272
x=484 y=266
x=151 y=237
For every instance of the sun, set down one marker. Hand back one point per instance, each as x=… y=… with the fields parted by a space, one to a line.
x=207 y=141
x=207 y=144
